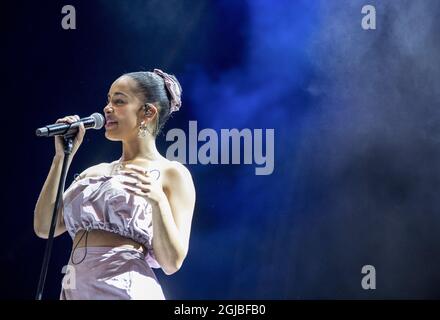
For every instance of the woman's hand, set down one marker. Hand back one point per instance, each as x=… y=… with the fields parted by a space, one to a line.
x=59 y=140
x=143 y=184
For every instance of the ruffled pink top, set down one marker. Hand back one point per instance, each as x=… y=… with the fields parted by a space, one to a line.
x=102 y=203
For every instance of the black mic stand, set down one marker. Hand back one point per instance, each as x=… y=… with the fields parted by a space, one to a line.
x=68 y=145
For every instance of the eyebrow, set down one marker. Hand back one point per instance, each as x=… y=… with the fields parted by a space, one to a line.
x=117 y=93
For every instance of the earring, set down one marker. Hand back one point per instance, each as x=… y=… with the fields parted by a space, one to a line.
x=142 y=131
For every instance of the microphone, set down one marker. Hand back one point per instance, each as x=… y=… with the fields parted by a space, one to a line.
x=95 y=121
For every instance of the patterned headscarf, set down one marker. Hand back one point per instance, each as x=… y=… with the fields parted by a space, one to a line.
x=173 y=88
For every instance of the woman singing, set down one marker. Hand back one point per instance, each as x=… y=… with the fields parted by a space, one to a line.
x=112 y=210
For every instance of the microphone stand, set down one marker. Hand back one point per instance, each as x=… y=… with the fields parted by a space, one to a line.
x=68 y=145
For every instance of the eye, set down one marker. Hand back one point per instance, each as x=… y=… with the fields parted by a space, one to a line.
x=118 y=101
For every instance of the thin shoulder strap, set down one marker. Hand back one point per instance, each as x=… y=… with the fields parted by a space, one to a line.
x=155 y=172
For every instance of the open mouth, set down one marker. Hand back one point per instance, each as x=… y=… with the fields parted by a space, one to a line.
x=110 y=124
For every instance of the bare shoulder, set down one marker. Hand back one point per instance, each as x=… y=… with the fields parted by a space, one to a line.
x=175 y=170
x=179 y=188
x=177 y=174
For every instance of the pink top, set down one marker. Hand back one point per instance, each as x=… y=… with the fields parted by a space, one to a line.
x=102 y=203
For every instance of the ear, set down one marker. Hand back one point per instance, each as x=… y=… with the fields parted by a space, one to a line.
x=150 y=111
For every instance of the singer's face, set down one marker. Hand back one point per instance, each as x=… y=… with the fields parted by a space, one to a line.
x=123 y=111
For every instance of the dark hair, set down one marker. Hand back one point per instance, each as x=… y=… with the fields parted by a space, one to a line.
x=151 y=87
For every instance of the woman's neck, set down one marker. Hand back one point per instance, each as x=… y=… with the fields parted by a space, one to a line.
x=144 y=149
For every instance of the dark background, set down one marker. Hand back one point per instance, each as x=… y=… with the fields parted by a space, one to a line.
x=356 y=119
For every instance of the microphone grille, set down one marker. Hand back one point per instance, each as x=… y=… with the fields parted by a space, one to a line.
x=99 y=120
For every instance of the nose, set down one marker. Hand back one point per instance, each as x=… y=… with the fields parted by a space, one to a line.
x=107 y=108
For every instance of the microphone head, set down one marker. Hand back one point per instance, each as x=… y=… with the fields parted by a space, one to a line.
x=99 y=120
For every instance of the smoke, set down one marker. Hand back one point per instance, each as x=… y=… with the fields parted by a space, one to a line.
x=262 y=89
x=370 y=155
x=357 y=129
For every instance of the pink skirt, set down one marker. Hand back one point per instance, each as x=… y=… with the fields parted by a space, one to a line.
x=105 y=273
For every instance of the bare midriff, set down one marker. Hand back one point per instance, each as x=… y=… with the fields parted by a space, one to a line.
x=100 y=238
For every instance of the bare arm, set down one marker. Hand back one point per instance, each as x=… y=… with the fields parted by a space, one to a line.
x=46 y=200
x=172 y=220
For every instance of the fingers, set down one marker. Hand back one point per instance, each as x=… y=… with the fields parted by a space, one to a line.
x=79 y=137
x=136 y=189
x=82 y=129
x=134 y=185
x=137 y=192
x=138 y=181
x=68 y=119
x=129 y=180
x=72 y=119
x=144 y=178
x=136 y=168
